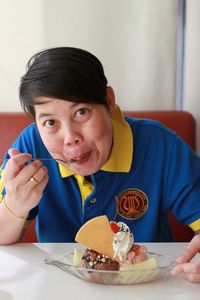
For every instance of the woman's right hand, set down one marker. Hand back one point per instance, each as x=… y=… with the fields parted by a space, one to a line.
x=22 y=192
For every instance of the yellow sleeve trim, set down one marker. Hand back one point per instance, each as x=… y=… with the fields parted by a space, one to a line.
x=195 y=225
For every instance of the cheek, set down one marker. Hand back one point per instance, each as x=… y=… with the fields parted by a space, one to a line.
x=101 y=135
x=51 y=142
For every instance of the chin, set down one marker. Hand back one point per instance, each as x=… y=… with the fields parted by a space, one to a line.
x=86 y=171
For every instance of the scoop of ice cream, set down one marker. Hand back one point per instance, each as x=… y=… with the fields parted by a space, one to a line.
x=137 y=254
x=94 y=260
x=122 y=239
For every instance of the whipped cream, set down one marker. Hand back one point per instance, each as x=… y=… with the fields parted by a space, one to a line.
x=122 y=240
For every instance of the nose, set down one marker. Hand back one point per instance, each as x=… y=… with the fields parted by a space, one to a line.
x=73 y=142
x=72 y=137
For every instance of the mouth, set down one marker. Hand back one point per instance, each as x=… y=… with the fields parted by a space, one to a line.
x=80 y=159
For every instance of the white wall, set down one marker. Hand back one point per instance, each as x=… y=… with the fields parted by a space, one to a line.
x=134 y=39
x=21 y=34
x=192 y=64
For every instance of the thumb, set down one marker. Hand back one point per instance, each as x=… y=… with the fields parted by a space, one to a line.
x=13 y=152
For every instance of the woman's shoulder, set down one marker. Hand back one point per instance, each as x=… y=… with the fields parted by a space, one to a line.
x=148 y=126
x=29 y=138
x=31 y=131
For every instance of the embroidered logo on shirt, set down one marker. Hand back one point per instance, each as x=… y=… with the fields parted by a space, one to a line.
x=131 y=204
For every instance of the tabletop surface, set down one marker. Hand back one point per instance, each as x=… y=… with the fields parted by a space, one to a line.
x=24 y=275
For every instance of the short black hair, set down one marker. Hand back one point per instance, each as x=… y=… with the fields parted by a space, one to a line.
x=65 y=73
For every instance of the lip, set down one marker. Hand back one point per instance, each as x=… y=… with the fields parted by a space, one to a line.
x=79 y=159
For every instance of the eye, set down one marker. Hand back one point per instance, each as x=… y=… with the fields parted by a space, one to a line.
x=49 y=123
x=81 y=112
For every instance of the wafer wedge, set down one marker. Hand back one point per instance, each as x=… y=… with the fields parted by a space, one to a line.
x=97 y=235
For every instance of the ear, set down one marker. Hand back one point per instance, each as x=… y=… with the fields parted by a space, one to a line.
x=110 y=97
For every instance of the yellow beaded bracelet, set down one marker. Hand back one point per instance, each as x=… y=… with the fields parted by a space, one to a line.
x=12 y=213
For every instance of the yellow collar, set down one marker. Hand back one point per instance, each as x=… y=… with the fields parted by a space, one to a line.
x=120 y=159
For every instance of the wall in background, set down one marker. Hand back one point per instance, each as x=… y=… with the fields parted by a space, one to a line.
x=191 y=93
x=134 y=39
x=21 y=34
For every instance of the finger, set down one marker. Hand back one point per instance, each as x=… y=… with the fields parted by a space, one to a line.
x=195 y=278
x=14 y=165
x=38 y=176
x=13 y=151
x=189 y=268
x=38 y=188
x=188 y=272
x=33 y=169
x=43 y=183
x=192 y=249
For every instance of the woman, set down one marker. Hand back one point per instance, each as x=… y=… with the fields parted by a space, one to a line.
x=83 y=159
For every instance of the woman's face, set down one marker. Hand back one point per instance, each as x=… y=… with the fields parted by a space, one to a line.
x=79 y=132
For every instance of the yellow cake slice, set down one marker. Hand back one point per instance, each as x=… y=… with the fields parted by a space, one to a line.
x=97 y=234
x=140 y=272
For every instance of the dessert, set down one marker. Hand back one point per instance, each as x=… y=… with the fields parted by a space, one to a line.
x=111 y=256
x=110 y=246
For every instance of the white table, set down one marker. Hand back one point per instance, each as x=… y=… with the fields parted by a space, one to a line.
x=25 y=276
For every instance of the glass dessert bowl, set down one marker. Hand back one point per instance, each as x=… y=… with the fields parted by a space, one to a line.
x=155 y=267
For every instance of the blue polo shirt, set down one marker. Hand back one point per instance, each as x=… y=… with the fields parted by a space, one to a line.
x=160 y=173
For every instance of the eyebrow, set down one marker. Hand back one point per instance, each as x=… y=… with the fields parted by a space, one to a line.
x=41 y=115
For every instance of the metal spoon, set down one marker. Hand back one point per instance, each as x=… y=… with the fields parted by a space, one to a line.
x=68 y=161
